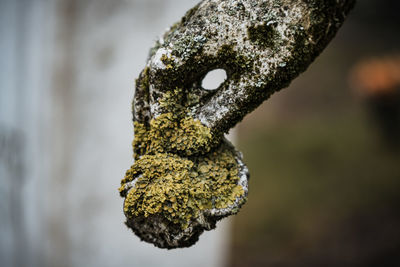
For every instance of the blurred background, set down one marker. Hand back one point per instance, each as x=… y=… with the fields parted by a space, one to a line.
x=324 y=154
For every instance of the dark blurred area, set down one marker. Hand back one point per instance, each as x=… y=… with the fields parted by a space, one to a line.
x=324 y=156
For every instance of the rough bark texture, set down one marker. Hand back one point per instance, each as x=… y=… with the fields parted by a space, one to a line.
x=262 y=46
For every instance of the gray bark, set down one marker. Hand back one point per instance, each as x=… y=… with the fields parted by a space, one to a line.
x=262 y=46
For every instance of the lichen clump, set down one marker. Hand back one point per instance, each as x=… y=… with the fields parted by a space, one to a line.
x=179 y=188
x=180 y=169
x=169 y=133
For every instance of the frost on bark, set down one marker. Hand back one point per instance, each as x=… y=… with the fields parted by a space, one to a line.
x=186 y=175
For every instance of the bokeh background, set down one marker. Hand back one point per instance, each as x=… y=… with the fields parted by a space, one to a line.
x=323 y=154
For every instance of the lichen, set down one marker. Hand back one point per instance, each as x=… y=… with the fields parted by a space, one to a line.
x=180 y=188
x=168 y=61
x=264 y=35
x=140 y=107
x=180 y=169
x=170 y=133
x=179 y=127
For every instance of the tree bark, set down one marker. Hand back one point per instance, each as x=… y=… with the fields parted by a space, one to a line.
x=262 y=46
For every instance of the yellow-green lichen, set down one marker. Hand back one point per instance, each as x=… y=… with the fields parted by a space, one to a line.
x=179 y=170
x=168 y=61
x=169 y=133
x=173 y=101
x=180 y=188
x=174 y=130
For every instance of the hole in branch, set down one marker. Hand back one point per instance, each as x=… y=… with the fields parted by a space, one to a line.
x=214 y=79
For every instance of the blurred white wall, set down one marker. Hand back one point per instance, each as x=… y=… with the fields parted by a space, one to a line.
x=67 y=73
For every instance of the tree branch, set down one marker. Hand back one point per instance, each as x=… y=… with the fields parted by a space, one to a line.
x=262 y=46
